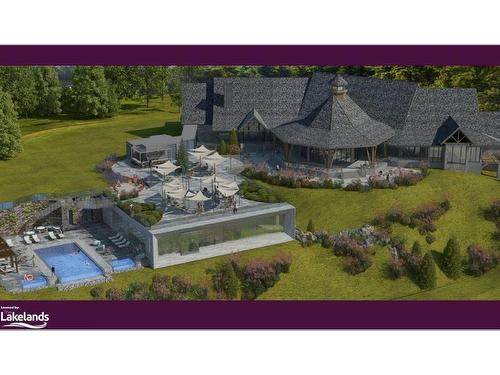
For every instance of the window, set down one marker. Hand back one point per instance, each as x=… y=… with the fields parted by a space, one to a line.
x=474 y=154
x=435 y=154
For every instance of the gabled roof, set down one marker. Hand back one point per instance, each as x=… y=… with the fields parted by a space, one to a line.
x=489 y=124
x=431 y=108
x=277 y=100
x=253 y=115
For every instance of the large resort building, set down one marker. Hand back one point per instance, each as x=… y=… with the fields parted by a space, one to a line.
x=332 y=120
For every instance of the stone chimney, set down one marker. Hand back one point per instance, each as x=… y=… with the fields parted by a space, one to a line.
x=339 y=86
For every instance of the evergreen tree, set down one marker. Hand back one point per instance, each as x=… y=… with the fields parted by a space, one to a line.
x=310 y=226
x=452 y=259
x=10 y=134
x=417 y=249
x=234 y=145
x=91 y=95
x=427 y=276
x=222 y=147
x=48 y=90
x=182 y=159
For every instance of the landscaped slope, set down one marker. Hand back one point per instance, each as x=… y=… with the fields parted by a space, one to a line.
x=60 y=154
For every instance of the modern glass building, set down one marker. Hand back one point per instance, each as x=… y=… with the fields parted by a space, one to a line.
x=208 y=235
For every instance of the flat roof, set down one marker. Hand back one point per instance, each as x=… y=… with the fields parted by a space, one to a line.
x=210 y=218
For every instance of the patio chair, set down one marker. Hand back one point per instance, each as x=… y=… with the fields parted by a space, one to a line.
x=60 y=234
x=35 y=238
x=27 y=240
x=10 y=243
x=118 y=243
x=115 y=237
x=52 y=236
x=125 y=244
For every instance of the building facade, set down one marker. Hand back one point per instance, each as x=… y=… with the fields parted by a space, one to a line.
x=331 y=120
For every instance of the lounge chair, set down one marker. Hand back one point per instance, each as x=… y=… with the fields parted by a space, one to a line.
x=96 y=243
x=27 y=240
x=115 y=237
x=119 y=239
x=10 y=243
x=118 y=243
x=60 y=234
x=126 y=244
x=35 y=238
x=52 y=236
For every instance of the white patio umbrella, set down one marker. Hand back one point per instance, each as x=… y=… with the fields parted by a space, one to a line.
x=172 y=186
x=198 y=197
x=177 y=194
x=165 y=168
x=201 y=150
x=229 y=185
x=227 y=192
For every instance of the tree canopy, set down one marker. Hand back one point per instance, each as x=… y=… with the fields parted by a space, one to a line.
x=10 y=134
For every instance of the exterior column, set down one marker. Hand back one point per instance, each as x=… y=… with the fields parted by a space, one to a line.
x=308 y=154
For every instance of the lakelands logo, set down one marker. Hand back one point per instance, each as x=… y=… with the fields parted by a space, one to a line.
x=11 y=318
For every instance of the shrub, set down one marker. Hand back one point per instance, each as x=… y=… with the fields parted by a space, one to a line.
x=128 y=194
x=452 y=259
x=137 y=291
x=355 y=185
x=478 y=261
x=222 y=147
x=115 y=294
x=358 y=262
x=225 y=281
x=326 y=242
x=97 y=292
x=430 y=238
x=310 y=226
x=254 y=191
x=407 y=178
x=281 y=263
x=344 y=245
x=379 y=220
x=163 y=287
x=416 y=249
x=427 y=277
x=396 y=268
x=424 y=168
x=394 y=214
x=258 y=276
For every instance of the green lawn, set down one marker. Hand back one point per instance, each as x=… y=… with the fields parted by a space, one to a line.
x=60 y=155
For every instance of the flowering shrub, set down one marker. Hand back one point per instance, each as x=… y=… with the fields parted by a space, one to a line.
x=396 y=268
x=430 y=238
x=259 y=275
x=359 y=261
x=343 y=245
x=407 y=178
x=115 y=294
x=356 y=185
x=97 y=292
x=478 y=261
x=107 y=164
x=164 y=287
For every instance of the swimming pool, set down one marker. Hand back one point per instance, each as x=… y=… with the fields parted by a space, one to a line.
x=37 y=282
x=70 y=262
x=123 y=264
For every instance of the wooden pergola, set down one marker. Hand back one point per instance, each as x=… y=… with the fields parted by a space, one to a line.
x=7 y=253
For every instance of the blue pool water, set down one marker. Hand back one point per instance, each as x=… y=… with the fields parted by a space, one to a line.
x=37 y=282
x=122 y=264
x=70 y=264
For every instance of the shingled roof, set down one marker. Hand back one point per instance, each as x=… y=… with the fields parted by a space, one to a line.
x=276 y=100
x=329 y=120
x=431 y=110
x=305 y=111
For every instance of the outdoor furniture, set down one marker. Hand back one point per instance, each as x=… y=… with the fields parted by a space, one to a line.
x=40 y=229
x=29 y=232
x=118 y=243
x=52 y=236
x=116 y=236
x=35 y=238
x=60 y=234
x=125 y=244
x=9 y=242
x=96 y=243
x=27 y=240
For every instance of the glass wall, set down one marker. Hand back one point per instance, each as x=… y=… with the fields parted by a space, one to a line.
x=192 y=240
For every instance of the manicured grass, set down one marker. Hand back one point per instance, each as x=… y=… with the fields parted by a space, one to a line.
x=60 y=154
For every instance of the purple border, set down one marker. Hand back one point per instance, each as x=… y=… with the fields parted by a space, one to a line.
x=262 y=314
x=249 y=55
x=265 y=314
